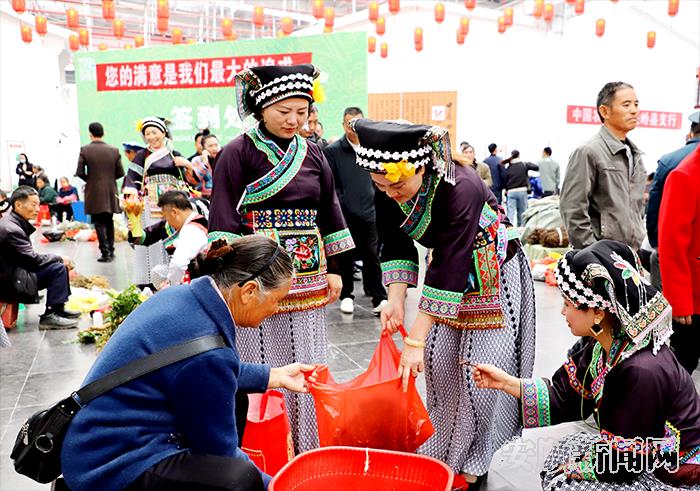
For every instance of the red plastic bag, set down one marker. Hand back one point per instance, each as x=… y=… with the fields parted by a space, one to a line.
x=371 y=410
x=267 y=438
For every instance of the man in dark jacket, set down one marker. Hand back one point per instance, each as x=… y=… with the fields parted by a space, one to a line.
x=100 y=165
x=497 y=172
x=22 y=268
x=356 y=194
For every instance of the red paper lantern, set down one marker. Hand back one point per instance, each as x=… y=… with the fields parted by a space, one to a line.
x=470 y=4
x=102 y=47
x=439 y=12
x=163 y=9
x=464 y=25
x=163 y=24
x=318 y=9
x=580 y=7
x=176 y=35
x=460 y=37
x=418 y=35
x=226 y=27
x=651 y=39
x=73 y=42
x=232 y=37
x=40 y=25
x=118 y=28
x=20 y=6
x=508 y=16
x=571 y=1
x=287 y=25
x=26 y=32
x=600 y=27
x=373 y=11
x=502 y=24
x=329 y=17
x=72 y=19
x=258 y=16
x=108 y=9
x=371 y=44
x=381 y=26
x=84 y=36
x=548 y=13
x=419 y=47
x=673 y=7
x=384 y=50
x=539 y=8
x=138 y=41
x=394 y=6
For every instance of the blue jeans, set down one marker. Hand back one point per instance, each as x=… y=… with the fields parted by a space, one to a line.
x=516 y=204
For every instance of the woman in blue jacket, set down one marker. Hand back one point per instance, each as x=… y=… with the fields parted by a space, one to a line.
x=175 y=428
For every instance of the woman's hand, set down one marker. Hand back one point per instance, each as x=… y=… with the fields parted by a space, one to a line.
x=490 y=377
x=335 y=285
x=410 y=365
x=182 y=162
x=391 y=316
x=290 y=377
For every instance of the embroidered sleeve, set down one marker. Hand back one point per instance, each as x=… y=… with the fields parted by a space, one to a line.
x=134 y=176
x=338 y=242
x=440 y=303
x=534 y=403
x=400 y=271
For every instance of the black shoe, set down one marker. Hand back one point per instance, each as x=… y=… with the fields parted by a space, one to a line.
x=104 y=259
x=67 y=314
x=111 y=254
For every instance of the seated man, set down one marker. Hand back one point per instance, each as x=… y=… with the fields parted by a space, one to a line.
x=21 y=267
x=183 y=231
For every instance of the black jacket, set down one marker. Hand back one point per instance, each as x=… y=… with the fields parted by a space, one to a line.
x=516 y=174
x=16 y=252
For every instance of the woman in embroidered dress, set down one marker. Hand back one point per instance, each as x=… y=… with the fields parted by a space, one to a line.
x=154 y=170
x=201 y=172
x=624 y=375
x=271 y=181
x=478 y=300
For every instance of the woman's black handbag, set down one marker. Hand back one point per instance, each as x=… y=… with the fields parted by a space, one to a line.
x=37 y=450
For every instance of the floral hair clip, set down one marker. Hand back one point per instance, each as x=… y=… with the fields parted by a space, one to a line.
x=395 y=171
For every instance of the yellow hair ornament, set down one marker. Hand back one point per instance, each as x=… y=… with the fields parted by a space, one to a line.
x=395 y=171
x=319 y=92
x=139 y=125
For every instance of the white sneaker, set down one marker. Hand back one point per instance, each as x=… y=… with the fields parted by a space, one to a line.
x=347 y=306
x=380 y=307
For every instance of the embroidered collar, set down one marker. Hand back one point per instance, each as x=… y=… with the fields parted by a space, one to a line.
x=419 y=214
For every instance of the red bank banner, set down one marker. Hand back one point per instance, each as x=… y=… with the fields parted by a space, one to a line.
x=646 y=119
x=186 y=74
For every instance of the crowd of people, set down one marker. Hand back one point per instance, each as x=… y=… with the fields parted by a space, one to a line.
x=265 y=231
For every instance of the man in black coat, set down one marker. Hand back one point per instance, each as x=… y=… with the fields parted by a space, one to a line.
x=23 y=272
x=356 y=194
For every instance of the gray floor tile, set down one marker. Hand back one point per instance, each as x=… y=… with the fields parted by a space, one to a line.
x=48 y=388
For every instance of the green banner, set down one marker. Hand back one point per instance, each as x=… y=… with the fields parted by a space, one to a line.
x=192 y=85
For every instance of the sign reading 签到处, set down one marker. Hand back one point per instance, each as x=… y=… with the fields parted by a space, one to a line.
x=646 y=119
x=193 y=85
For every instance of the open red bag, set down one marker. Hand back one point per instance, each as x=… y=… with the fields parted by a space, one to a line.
x=267 y=438
x=371 y=410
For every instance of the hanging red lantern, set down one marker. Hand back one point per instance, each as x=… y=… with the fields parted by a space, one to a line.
x=571 y=1
x=176 y=35
x=651 y=39
x=548 y=13
x=84 y=36
x=419 y=47
x=460 y=37
x=330 y=17
x=232 y=37
x=163 y=24
x=20 y=6
x=580 y=7
x=163 y=9
x=287 y=25
x=40 y=25
x=373 y=11
x=73 y=42
x=439 y=12
x=538 y=9
x=470 y=4
x=371 y=44
x=418 y=35
x=72 y=19
x=108 y=9
x=118 y=28
x=508 y=16
x=318 y=9
x=600 y=27
x=381 y=26
x=26 y=33
x=258 y=16
x=464 y=25
x=502 y=24
x=138 y=41
x=226 y=27
x=384 y=50
x=394 y=6
x=673 y=7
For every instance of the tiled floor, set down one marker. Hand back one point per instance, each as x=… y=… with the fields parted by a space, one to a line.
x=42 y=366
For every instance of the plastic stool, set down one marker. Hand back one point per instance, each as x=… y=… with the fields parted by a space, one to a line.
x=9 y=312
